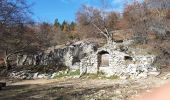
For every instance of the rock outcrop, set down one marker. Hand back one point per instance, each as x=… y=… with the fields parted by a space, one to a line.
x=68 y=55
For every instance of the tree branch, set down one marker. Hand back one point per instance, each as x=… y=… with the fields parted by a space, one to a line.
x=100 y=30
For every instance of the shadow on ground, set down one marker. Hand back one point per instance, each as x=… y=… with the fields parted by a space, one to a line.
x=50 y=91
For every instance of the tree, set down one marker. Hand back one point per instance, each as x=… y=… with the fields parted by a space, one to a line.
x=138 y=17
x=148 y=17
x=112 y=20
x=84 y=27
x=45 y=34
x=64 y=26
x=72 y=26
x=15 y=34
x=159 y=10
x=56 y=23
x=98 y=21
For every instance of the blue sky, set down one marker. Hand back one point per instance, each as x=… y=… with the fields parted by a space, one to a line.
x=49 y=10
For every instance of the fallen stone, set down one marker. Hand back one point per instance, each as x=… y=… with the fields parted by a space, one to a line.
x=154 y=73
x=42 y=76
x=123 y=77
x=142 y=75
x=166 y=76
x=35 y=76
x=118 y=92
x=54 y=75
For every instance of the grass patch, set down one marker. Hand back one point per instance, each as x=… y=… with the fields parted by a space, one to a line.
x=100 y=75
x=67 y=73
x=73 y=73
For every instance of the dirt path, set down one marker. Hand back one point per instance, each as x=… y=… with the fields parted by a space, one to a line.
x=78 y=89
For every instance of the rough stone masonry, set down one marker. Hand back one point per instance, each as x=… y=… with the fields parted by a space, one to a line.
x=111 y=59
x=121 y=62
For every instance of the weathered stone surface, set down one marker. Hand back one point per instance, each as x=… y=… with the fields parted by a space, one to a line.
x=121 y=63
x=122 y=60
x=28 y=75
x=69 y=55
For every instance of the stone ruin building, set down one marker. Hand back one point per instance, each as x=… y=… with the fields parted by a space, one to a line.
x=111 y=59
x=117 y=59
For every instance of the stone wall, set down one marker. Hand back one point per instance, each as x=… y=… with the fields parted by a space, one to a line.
x=68 y=55
x=87 y=57
x=121 y=63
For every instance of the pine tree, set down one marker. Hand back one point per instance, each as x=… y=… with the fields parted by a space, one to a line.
x=56 y=23
x=72 y=26
x=65 y=26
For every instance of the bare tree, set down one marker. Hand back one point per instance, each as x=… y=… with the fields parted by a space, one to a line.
x=15 y=34
x=98 y=20
x=160 y=22
x=138 y=17
x=44 y=34
x=148 y=17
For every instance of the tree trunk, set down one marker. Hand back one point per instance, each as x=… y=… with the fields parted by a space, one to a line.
x=109 y=40
x=7 y=63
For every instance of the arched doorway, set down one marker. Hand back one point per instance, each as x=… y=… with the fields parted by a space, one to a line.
x=103 y=59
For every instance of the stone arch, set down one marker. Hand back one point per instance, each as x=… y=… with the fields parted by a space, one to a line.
x=103 y=59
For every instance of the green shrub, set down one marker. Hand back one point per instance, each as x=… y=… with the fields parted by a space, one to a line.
x=73 y=73
x=100 y=75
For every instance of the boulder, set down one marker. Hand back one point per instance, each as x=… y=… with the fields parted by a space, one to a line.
x=35 y=76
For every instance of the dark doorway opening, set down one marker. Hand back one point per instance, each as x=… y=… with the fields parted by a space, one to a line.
x=103 y=59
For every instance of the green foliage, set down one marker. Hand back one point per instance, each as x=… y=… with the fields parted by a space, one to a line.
x=67 y=72
x=56 y=23
x=100 y=75
x=72 y=73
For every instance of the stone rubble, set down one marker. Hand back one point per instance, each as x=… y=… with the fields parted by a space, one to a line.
x=28 y=75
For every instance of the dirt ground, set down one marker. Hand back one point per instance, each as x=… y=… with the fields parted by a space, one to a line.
x=78 y=88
